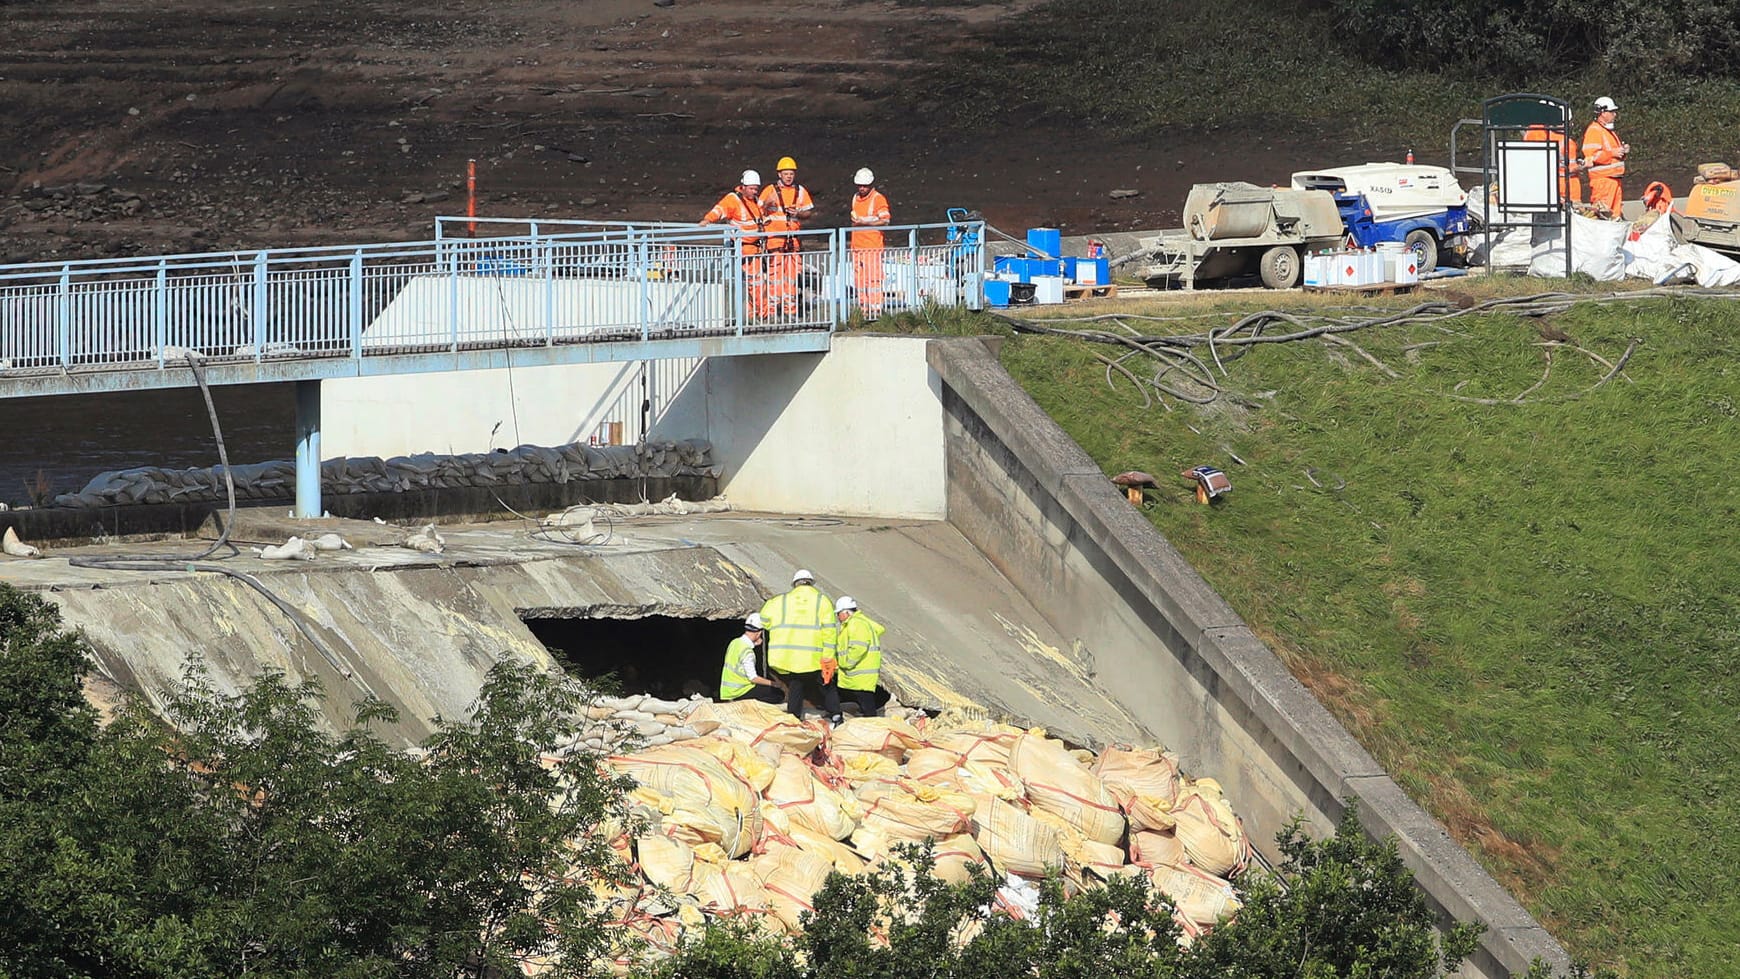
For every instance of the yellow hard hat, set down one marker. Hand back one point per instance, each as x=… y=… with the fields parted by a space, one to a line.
x=785 y=163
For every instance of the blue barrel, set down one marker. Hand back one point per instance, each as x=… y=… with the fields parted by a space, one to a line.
x=1045 y=241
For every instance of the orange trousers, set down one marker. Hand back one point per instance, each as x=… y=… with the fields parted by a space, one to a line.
x=1606 y=190
x=757 y=302
x=782 y=278
x=867 y=279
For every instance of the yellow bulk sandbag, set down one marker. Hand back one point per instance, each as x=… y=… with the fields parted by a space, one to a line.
x=915 y=811
x=790 y=877
x=1059 y=784
x=1211 y=834
x=806 y=800
x=890 y=737
x=952 y=856
x=700 y=824
x=866 y=766
x=1083 y=857
x=666 y=862
x=764 y=727
x=687 y=774
x=728 y=887
x=741 y=759
x=977 y=778
x=1199 y=896
x=845 y=859
x=875 y=845
x=990 y=746
x=934 y=765
x=940 y=766
x=700 y=798
x=1156 y=849
x=1145 y=783
x=1085 y=862
x=1015 y=842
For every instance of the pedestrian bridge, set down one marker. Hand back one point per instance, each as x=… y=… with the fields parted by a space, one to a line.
x=520 y=294
x=523 y=293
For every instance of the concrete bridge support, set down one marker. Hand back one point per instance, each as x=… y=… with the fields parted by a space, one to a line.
x=308 y=449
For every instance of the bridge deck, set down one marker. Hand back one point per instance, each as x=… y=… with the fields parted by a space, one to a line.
x=554 y=293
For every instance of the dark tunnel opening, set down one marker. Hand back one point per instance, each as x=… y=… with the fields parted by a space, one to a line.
x=666 y=656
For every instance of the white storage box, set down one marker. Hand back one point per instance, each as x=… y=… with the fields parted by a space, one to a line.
x=1048 y=289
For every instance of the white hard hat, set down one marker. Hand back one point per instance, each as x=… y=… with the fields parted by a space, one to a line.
x=863 y=177
x=1605 y=104
x=750 y=177
x=846 y=604
x=802 y=574
x=753 y=621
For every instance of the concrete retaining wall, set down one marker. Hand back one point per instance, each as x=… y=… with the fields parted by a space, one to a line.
x=1174 y=655
x=477 y=411
x=856 y=431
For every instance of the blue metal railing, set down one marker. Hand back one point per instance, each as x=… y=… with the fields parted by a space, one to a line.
x=545 y=284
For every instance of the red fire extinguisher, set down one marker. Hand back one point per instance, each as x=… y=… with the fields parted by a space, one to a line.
x=1410 y=156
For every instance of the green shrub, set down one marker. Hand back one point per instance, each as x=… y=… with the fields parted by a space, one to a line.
x=1521 y=40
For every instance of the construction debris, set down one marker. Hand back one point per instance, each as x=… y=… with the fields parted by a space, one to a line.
x=10 y=544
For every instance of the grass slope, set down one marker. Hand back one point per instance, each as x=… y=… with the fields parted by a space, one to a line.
x=1528 y=612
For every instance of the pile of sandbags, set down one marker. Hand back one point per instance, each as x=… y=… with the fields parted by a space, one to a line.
x=371 y=474
x=1605 y=250
x=748 y=813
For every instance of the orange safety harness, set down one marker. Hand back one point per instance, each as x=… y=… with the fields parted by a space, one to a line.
x=789 y=244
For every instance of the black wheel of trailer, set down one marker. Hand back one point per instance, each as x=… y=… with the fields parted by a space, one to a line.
x=1425 y=249
x=1279 y=267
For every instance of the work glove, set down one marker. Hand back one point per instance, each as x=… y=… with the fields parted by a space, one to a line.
x=829 y=666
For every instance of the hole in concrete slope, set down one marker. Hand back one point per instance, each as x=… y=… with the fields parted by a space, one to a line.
x=666 y=656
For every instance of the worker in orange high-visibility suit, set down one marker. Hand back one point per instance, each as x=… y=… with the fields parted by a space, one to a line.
x=1606 y=154
x=869 y=216
x=787 y=205
x=1570 y=166
x=741 y=208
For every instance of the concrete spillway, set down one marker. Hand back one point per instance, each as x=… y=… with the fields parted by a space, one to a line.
x=1009 y=571
x=420 y=630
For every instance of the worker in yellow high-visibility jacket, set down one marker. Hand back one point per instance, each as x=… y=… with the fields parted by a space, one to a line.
x=801 y=631
x=858 y=651
x=739 y=677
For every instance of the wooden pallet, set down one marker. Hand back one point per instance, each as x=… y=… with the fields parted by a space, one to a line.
x=1105 y=291
x=1375 y=289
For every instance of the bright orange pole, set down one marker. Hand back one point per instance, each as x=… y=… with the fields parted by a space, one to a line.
x=471 y=196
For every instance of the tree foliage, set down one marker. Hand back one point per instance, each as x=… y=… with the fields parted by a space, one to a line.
x=242 y=838
x=1522 y=40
